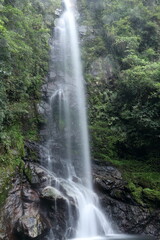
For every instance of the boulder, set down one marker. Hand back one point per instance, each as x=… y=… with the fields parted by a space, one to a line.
x=52 y=193
x=31 y=225
x=119 y=205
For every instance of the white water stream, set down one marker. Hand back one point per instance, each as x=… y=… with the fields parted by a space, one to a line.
x=69 y=155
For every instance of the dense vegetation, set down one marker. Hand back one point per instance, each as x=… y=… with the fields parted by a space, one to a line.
x=121 y=52
x=25 y=30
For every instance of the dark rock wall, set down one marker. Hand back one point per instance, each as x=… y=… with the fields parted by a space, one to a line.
x=119 y=205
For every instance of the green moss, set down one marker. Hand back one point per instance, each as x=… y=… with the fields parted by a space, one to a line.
x=6 y=174
x=28 y=173
x=118 y=194
x=143 y=180
x=13 y=142
x=151 y=195
x=32 y=135
x=136 y=192
x=140 y=173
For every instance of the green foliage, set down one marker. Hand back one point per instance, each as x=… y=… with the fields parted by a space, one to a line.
x=12 y=146
x=5 y=175
x=124 y=91
x=137 y=106
x=144 y=196
x=124 y=99
x=2 y=105
x=103 y=141
x=25 y=30
x=136 y=192
x=152 y=195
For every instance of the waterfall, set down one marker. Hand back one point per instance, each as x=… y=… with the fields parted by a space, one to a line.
x=68 y=141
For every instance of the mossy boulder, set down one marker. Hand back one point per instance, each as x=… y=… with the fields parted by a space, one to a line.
x=136 y=193
x=144 y=196
x=151 y=195
x=31 y=226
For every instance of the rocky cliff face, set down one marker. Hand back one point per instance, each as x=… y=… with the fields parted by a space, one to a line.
x=34 y=210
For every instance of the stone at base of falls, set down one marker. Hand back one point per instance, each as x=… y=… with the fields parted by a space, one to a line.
x=33 y=208
x=52 y=193
x=31 y=226
x=23 y=217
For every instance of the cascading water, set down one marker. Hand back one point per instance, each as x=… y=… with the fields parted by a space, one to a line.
x=68 y=143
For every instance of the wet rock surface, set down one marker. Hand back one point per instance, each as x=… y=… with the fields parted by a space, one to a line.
x=33 y=208
x=119 y=205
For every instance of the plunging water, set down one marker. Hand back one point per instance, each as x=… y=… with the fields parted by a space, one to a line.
x=68 y=145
